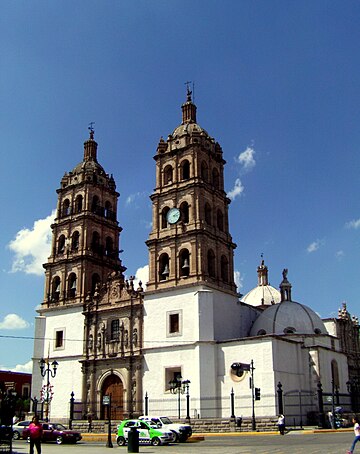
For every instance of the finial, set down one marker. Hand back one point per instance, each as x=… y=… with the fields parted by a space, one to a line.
x=91 y=129
x=188 y=91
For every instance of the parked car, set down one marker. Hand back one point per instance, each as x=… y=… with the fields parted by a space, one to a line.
x=181 y=431
x=148 y=433
x=18 y=429
x=56 y=432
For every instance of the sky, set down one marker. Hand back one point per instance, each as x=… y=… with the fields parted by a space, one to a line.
x=276 y=83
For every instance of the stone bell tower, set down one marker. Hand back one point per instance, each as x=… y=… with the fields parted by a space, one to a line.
x=190 y=241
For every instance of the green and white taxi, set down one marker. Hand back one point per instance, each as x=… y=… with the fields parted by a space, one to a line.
x=148 y=433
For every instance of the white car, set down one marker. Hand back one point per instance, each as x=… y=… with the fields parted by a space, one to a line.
x=18 y=429
x=181 y=431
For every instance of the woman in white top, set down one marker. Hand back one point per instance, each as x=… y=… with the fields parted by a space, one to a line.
x=357 y=434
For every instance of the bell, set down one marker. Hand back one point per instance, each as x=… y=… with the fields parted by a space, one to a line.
x=166 y=270
x=73 y=286
x=186 y=264
x=57 y=289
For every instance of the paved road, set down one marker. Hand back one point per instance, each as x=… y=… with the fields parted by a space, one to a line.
x=294 y=442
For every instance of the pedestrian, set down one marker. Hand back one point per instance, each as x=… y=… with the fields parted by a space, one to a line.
x=89 y=423
x=281 y=424
x=357 y=434
x=36 y=430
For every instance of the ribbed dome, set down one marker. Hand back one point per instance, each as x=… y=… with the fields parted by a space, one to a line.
x=188 y=129
x=288 y=317
x=262 y=295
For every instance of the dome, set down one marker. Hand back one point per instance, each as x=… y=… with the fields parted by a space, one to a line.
x=188 y=129
x=288 y=317
x=262 y=295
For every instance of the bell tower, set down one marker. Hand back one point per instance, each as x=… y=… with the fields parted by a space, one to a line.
x=85 y=233
x=190 y=243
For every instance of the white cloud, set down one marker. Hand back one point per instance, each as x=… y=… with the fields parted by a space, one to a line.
x=32 y=247
x=314 y=246
x=238 y=280
x=246 y=159
x=237 y=189
x=13 y=321
x=132 y=197
x=354 y=224
x=23 y=367
x=142 y=274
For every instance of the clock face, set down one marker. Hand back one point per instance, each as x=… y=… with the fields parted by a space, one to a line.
x=173 y=215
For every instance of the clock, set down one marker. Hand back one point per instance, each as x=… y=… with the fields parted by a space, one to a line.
x=173 y=215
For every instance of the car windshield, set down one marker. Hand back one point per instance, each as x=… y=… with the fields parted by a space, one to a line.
x=58 y=427
x=166 y=420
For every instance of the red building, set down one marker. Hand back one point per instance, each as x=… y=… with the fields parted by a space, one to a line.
x=19 y=381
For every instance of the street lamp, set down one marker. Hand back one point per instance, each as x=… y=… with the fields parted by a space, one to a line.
x=47 y=392
x=179 y=386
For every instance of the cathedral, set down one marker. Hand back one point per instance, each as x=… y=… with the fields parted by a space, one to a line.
x=186 y=335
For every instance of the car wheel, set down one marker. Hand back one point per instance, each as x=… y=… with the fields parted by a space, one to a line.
x=121 y=441
x=16 y=435
x=176 y=436
x=59 y=440
x=156 y=441
x=183 y=438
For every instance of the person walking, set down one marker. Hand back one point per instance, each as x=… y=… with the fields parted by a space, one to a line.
x=36 y=431
x=281 y=424
x=357 y=434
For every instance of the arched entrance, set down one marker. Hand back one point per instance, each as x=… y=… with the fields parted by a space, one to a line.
x=113 y=386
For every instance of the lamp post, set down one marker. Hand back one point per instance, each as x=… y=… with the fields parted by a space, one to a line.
x=179 y=386
x=353 y=387
x=45 y=370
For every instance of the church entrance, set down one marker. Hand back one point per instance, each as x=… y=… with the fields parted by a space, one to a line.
x=113 y=387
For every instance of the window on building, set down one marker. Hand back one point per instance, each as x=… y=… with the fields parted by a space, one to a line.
x=220 y=220
x=204 y=171
x=168 y=174
x=95 y=204
x=185 y=170
x=75 y=241
x=95 y=281
x=184 y=263
x=208 y=213
x=215 y=178
x=164 y=268
x=72 y=285
x=66 y=207
x=109 y=246
x=171 y=374
x=211 y=263
x=61 y=244
x=164 y=213
x=184 y=210
x=78 y=204
x=95 y=244
x=115 y=330
x=55 y=289
x=25 y=391
x=224 y=269
x=59 y=339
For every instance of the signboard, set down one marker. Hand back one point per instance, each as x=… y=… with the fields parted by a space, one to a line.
x=106 y=400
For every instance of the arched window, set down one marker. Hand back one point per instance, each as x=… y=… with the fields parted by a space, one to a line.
x=184 y=210
x=184 y=263
x=185 y=170
x=55 y=288
x=220 y=220
x=164 y=269
x=289 y=330
x=95 y=244
x=108 y=210
x=261 y=332
x=164 y=213
x=72 y=285
x=204 y=171
x=168 y=174
x=75 y=241
x=61 y=244
x=211 y=263
x=95 y=204
x=78 y=204
x=95 y=281
x=215 y=178
x=115 y=330
x=109 y=246
x=66 y=207
x=207 y=213
x=224 y=269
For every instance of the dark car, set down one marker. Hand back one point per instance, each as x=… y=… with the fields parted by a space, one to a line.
x=56 y=432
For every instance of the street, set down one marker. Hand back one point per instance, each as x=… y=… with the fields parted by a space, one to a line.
x=295 y=442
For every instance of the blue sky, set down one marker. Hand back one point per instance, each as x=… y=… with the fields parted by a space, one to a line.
x=277 y=83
